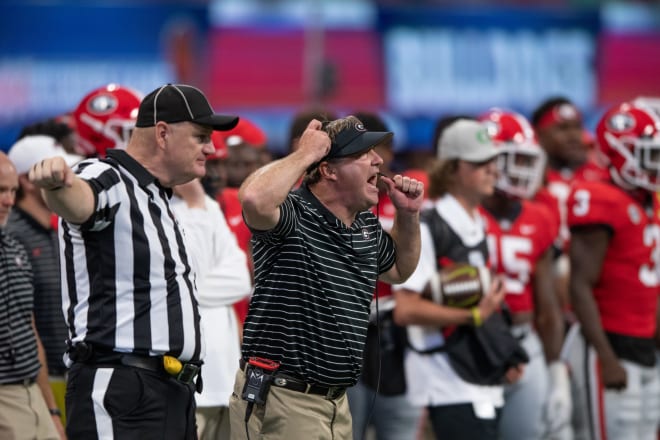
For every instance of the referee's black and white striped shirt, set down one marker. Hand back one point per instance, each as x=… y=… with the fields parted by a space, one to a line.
x=18 y=345
x=127 y=282
x=314 y=281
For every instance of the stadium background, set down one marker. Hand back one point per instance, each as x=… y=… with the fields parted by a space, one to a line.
x=265 y=59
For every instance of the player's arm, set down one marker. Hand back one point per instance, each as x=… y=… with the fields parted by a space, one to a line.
x=413 y=309
x=548 y=317
x=66 y=194
x=587 y=253
x=265 y=190
x=550 y=326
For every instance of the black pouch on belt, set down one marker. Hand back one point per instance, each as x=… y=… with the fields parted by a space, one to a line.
x=259 y=375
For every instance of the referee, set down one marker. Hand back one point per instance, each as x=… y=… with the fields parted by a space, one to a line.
x=128 y=287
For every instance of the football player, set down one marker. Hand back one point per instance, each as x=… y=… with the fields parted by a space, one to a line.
x=520 y=237
x=105 y=118
x=615 y=280
x=560 y=131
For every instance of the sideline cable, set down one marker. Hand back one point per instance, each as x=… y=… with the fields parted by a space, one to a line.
x=380 y=357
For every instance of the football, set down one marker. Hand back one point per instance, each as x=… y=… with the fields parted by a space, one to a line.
x=459 y=285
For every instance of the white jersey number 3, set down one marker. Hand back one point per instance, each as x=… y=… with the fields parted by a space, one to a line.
x=649 y=274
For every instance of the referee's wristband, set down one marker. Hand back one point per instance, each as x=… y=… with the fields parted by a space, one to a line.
x=476 y=316
x=55 y=412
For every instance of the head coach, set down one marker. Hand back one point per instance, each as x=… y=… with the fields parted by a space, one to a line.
x=318 y=251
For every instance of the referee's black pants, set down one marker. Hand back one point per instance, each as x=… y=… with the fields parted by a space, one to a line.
x=126 y=403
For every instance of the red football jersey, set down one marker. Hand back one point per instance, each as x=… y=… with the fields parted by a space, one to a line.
x=547 y=198
x=514 y=248
x=629 y=285
x=590 y=172
x=557 y=189
x=385 y=211
x=231 y=208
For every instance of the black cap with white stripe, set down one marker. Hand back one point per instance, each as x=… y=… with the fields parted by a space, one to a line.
x=180 y=103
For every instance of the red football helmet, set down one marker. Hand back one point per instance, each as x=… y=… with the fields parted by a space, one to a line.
x=652 y=102
x=105 y=118
x=521 y=162
x=245 y=132
x=628 y=137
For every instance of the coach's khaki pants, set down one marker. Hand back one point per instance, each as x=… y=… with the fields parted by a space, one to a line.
x=290 y=415
x=24 y=414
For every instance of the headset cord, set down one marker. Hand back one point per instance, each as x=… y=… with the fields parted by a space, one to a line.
x=380 y=358
x=248 y=413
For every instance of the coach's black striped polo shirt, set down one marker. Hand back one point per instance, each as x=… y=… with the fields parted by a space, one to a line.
x=314 y=281
x=127 y=283
x=18 y=345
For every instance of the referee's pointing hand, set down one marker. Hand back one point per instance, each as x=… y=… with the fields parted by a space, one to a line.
x=51 y=174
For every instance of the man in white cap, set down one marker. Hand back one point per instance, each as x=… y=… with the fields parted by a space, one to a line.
x=453 y=231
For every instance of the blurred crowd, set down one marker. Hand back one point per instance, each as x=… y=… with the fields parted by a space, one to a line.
x=566 y=222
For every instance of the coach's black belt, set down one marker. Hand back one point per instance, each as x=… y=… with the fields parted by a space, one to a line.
x=283 y=380
x=86 y=354
x=25 y=382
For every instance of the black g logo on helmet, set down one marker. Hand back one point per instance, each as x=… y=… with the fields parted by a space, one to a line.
x=621 y=122
x=102 y=104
